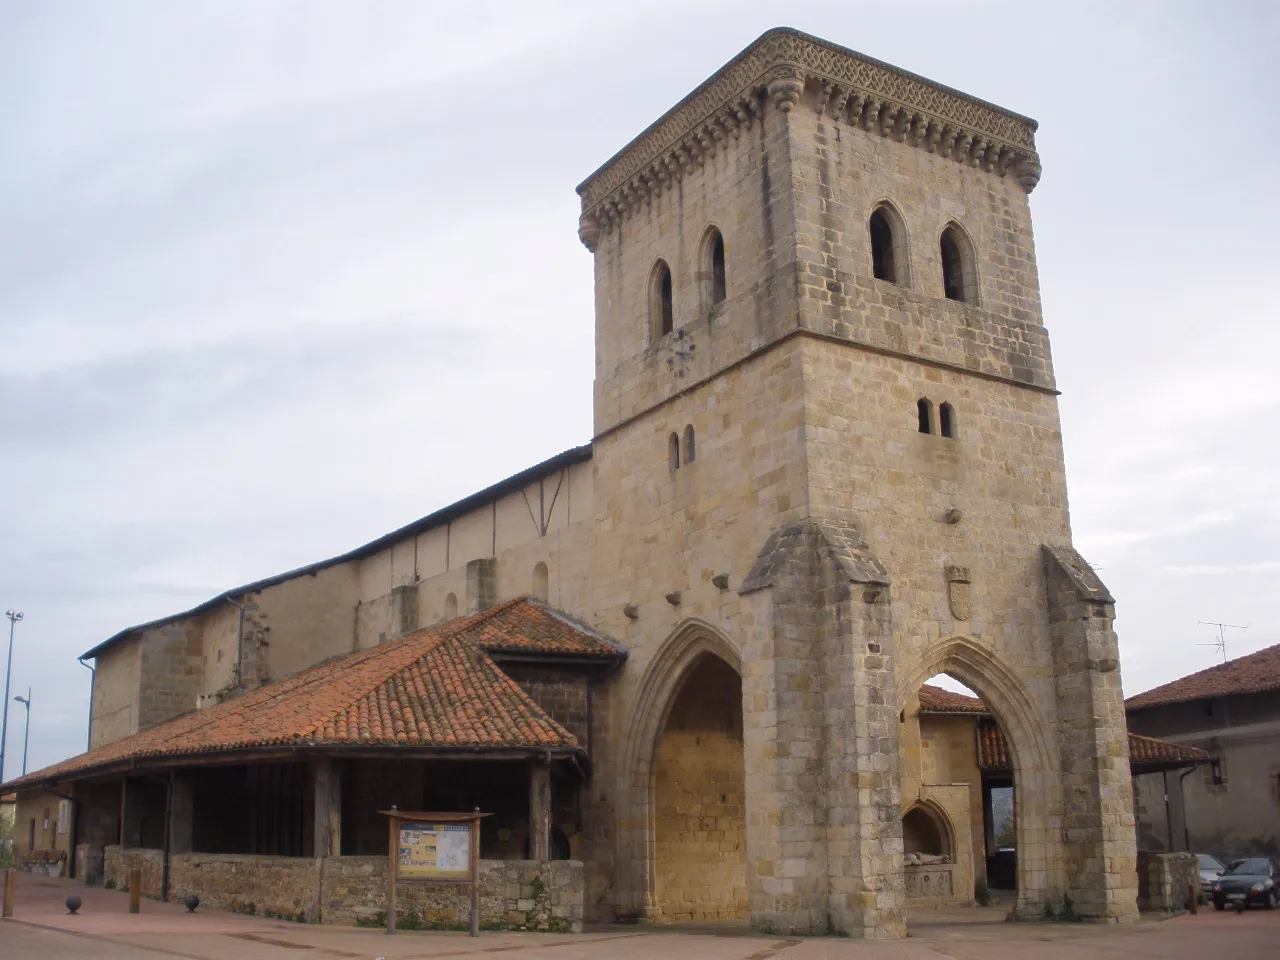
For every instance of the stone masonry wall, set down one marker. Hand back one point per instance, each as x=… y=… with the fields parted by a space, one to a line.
x=285 y=887
x=562 y=693
x=1166 y=879
x=118 y=864
x=700 y=800
x=514 y=894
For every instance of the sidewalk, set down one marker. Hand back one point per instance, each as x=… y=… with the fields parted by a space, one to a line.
x=104 y=930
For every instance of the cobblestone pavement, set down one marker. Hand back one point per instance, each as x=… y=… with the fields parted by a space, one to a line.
x=104 y=930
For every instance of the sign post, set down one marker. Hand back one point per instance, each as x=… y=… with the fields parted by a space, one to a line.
x=433 y=848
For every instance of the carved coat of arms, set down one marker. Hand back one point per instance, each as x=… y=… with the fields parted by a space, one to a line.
x=958 y=592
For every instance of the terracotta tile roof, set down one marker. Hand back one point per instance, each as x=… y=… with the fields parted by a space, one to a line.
x=436 y=688
x=993 y=749
x=937 y=700
x=1252 y=673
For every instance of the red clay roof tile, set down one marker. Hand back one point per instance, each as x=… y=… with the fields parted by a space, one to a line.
x=1252 y=673
x=435 y=688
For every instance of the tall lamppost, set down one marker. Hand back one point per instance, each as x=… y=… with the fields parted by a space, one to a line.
x=14 y=616
x=26 y=730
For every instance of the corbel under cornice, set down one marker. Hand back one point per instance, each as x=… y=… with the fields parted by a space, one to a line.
x=850 y=88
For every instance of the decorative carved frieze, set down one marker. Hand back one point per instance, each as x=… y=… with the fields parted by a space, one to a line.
x=847 y=86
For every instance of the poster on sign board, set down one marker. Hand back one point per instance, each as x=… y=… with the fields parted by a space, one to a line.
x=430 y=851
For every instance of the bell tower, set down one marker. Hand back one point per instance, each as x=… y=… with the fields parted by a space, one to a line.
x=815 y=283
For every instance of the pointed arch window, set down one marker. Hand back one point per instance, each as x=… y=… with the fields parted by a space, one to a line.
x=924 y=415
x=959 y=276
x=661 y=311
x=884 y=264
x=714 y=283
x=947 y=420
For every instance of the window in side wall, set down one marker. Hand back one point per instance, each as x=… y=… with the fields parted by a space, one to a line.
x=883 y=261
x=715 y=286
x=946 y=420
x=450 y=607
x=673 y=451
x=661 y=309
x=924 y=415
x=690 y=450
x=959 y=276
x=541 y=581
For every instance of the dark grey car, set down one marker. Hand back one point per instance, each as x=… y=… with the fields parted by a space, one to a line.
x=1254 y=880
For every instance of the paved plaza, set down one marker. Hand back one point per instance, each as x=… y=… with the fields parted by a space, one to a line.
x=104 y=930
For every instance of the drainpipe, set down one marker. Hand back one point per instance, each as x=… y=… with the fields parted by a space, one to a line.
x=93 y=679
x=1182 y=795
x=239 y=644
x=168 y=834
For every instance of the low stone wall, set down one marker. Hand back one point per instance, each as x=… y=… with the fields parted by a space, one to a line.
x=285 y=887
x=117 y=864
x=1164 y=880
x=515 y=894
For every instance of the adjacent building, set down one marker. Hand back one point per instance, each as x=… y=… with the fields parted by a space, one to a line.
x=1229 y=806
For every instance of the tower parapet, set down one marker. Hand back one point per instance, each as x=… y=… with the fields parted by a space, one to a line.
x=855 y=88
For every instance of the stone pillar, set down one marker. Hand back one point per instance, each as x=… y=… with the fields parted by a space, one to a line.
x=824 y=834
x=1099 y=842
x=404 y=610
x=182 y=816
x=327 y=790
x=540 y=811
x=482 y=584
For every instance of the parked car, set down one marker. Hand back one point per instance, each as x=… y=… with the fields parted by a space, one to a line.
x=1210 y=870
x=1245 y=882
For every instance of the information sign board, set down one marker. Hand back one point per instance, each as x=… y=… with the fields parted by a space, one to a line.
x=435 y=850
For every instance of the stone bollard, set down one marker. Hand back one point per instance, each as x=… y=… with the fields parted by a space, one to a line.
x=135 y=890
x=10 y=881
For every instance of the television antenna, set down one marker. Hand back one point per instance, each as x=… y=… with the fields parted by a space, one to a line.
x=1220 y=644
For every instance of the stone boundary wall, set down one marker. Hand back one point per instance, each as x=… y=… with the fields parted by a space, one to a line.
x=515 y=894
x=284 y=887
x=117 y=864
x=1164 y=878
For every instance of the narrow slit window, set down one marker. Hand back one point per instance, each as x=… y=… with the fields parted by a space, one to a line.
x=924 y=415
x=883 y=266
x=690 y=450
x=541 y=581
x=718 y=287
x=673 y=451
x=946 y=420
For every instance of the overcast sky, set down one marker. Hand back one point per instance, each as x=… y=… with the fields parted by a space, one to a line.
x=278 y=277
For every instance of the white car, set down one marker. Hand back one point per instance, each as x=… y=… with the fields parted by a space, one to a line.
x=1210 y=869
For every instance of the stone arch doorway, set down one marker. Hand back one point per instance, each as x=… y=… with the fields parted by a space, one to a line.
x=684 y=788
x=1032 y=760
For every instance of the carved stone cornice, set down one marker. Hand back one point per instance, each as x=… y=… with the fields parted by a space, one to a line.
x=851 y=88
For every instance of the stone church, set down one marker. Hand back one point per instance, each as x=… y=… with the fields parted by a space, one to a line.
x=675 y=663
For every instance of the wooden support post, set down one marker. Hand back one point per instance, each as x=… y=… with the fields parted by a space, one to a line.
x=540 y=811
x=393 y=863
x=327 y=835
x=1193 y=898
x=135 y=890
x=10 y=881
x=474 y=927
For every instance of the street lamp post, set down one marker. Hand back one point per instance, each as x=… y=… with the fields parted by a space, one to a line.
x=26 y=730
x=14 y=616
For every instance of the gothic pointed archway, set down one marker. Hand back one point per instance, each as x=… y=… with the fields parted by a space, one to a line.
x=686 y=724
x=1038 y=817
